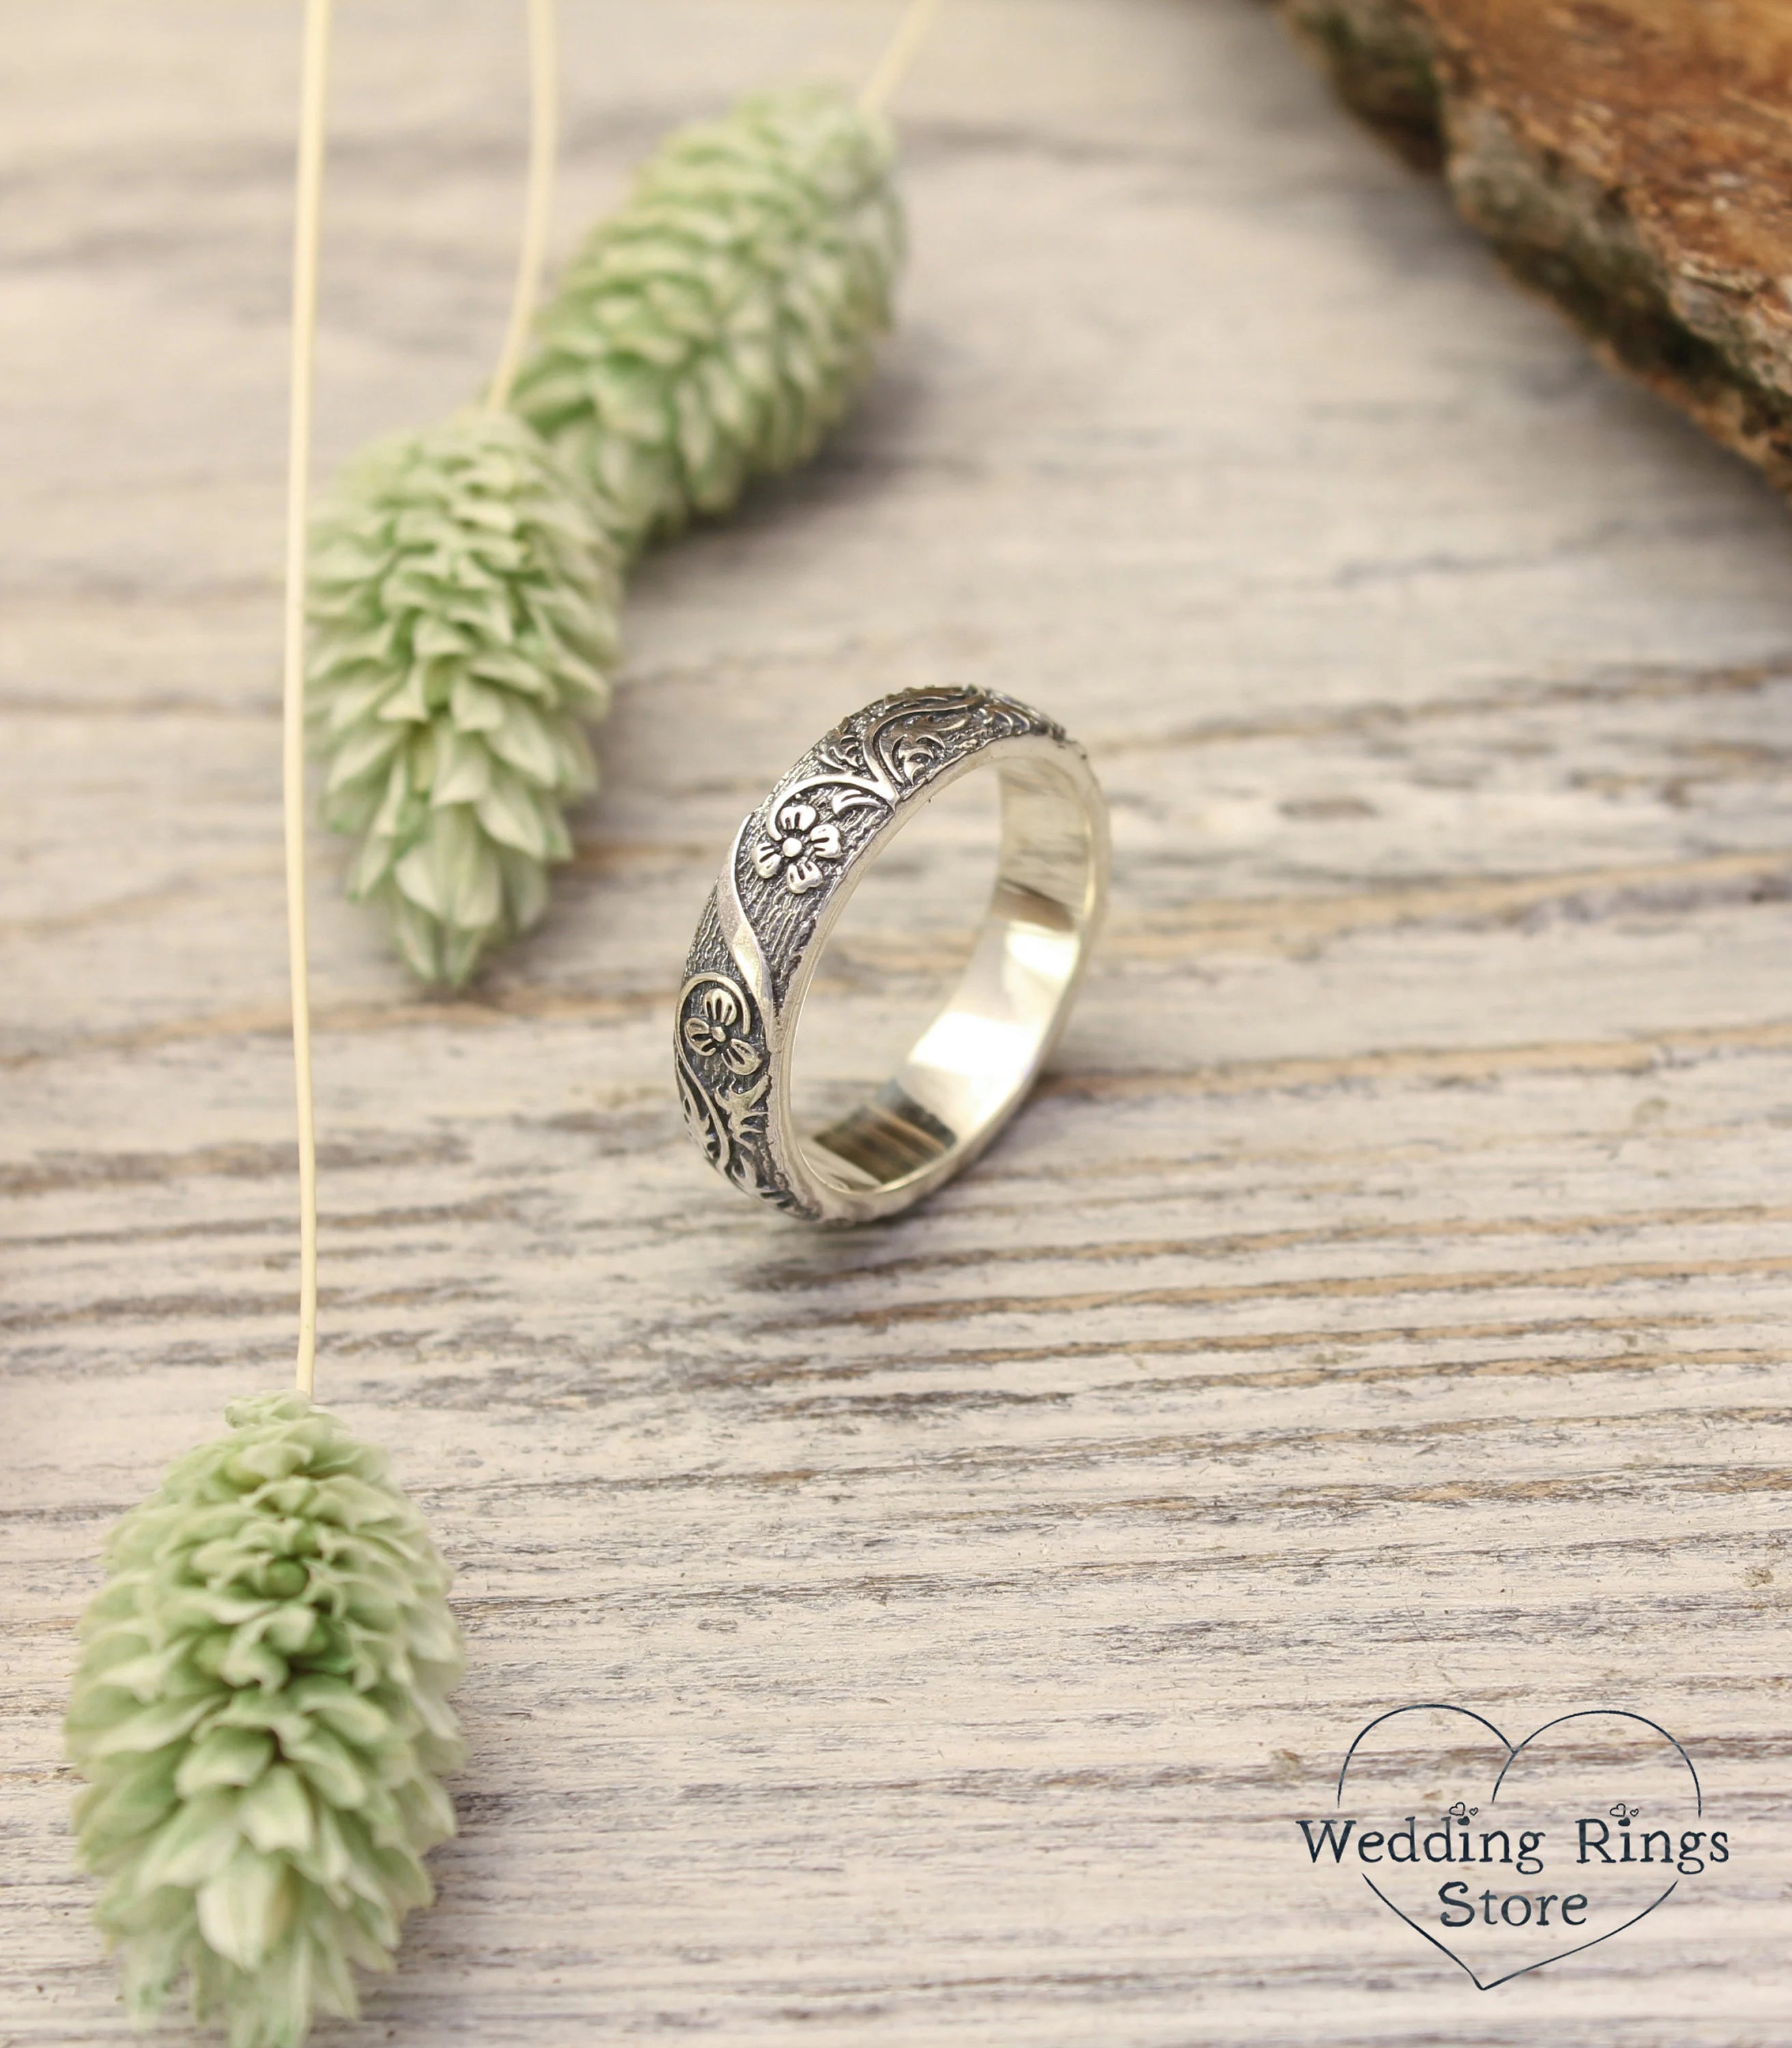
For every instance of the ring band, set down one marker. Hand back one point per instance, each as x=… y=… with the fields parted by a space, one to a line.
x=794 y=864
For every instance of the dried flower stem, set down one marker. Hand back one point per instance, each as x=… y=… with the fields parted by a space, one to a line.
x=543 y=145
x=306 y=238
x=904 y=47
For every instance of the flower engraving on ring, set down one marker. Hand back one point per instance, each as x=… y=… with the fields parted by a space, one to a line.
x=713 y=1032
x=800 y=841
x=745 y=978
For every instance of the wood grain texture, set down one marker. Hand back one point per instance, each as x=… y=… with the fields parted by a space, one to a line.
x=1631 y=159
x=927 y=1636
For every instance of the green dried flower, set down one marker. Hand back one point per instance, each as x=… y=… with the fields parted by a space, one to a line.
x=717 y=326
x=464 y=610
x=464 y=588
x=260 y=1713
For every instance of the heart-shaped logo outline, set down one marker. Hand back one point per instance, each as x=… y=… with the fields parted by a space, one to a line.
x=1514 y=1751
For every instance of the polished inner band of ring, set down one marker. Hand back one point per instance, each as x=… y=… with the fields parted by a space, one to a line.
x=969 y=1070
x=794 y=867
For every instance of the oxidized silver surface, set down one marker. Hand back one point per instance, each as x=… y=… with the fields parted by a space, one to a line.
x=794 y=861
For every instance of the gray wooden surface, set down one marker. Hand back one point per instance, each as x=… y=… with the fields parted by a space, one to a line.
x=926 y=1636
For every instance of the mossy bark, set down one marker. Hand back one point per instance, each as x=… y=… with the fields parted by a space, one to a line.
x=1632 y=160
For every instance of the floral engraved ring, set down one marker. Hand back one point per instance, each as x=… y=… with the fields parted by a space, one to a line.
x=794 y=864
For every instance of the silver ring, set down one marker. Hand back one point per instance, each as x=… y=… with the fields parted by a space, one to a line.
x=795 y=862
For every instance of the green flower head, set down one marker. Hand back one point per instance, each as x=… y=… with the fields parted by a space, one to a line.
x=463 y=604
x=260 y=1710
x=717 y=325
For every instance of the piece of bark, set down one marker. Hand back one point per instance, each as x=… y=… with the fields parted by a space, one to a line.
x=1631 y=158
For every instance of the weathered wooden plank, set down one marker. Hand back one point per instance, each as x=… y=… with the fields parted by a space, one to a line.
x=927 y=1635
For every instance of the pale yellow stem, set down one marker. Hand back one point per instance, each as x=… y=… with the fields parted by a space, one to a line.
x=893 y=66
x=309 y=201
x=543 y=144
